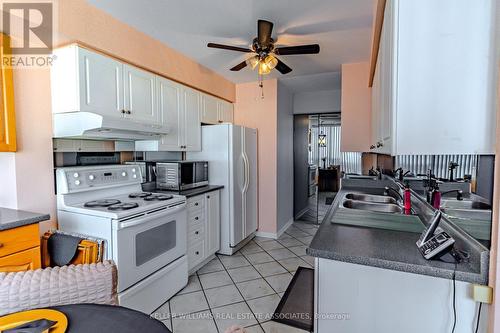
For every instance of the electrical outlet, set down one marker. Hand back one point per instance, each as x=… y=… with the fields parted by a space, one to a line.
x=483 y=294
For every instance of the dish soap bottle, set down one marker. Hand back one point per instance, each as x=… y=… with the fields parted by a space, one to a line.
x=436 y=202
x=407 y=199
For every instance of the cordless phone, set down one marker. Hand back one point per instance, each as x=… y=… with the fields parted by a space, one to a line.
x=434 y=240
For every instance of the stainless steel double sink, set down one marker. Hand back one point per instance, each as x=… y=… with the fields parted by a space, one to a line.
x=371 y=202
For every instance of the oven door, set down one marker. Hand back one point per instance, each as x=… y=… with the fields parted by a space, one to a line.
x=145 y=244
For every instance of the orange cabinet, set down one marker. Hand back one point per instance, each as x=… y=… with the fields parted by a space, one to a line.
x=20 y=249
x=7 y=113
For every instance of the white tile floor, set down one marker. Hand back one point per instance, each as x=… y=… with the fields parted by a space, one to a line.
x=243 y=289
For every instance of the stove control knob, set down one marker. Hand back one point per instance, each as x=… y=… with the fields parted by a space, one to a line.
x=91 y=177
x=134 y=176
x=77 y=182
x=133 y=170
x=124 y=174
x=76 y=175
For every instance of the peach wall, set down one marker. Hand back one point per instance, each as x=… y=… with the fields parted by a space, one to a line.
x=356 y=104
x=81 y=22
x=251 y=110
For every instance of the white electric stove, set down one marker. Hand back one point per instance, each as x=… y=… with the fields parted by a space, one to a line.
x=144 y=233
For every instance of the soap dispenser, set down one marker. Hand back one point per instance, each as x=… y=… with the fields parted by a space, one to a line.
x=407 y=199
x=436 y=195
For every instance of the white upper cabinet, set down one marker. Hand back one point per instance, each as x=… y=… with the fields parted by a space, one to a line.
x=179 y=109
x=140 y=96
x=170 y=111
x=216 y=111
x=225 y=112
x=86 y=81
x=434 y=85
x=210 y=110
x=192 y=121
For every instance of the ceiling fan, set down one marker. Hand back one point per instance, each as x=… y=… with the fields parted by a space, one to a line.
x=265 y=51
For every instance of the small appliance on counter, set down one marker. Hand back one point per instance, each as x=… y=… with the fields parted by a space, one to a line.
x=181 y=175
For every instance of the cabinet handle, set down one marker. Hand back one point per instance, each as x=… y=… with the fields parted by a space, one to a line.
x=129 y=112
x=196 y=218
x=379 y=144
x=197 y=252
x=208 y=197
x=196 y=204
x=123 y=111
x=1 y=245
x=196 y=232
x=372 y=147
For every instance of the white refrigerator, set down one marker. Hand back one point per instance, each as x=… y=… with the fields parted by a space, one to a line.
x=232 y=155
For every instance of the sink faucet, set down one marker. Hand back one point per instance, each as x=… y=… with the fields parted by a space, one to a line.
x=451 y=167
x=387 y=189
x=399 y=172
x=460 y=194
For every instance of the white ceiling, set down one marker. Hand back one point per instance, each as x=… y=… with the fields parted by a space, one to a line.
x=342 y=28
x=312 y=82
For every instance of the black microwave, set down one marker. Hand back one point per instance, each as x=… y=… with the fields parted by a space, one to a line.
x=181 y=175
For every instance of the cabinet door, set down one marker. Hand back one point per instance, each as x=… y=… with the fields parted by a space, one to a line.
x=21 y=261
x=100 y=83
x=225 y=114
x=210 y=110
x=212 y=222
x=192 y=123
x=140 y=95
x=170 y=112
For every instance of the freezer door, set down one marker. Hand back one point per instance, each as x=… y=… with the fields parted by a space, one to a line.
x=250 y=195
x=238 y=172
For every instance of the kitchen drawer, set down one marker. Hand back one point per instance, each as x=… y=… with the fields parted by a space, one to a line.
x=196 y=233
x=195 y=203
x=196 y=217
x=19 y=239
x=21 y=261
x=196 y=254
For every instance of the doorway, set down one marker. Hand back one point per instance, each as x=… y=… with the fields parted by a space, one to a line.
x=318 y=165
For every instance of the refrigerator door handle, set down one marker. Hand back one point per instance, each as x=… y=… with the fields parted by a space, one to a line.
x=247 y=173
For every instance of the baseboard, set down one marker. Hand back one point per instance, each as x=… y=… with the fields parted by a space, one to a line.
x=302 y=212
x=286 y=226
x=263 y=234
x=274 y=235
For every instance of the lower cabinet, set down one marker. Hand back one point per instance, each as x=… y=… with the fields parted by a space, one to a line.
x=203 y=238
x=20 y=249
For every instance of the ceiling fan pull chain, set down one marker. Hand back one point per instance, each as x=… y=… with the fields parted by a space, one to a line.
x=261 y=85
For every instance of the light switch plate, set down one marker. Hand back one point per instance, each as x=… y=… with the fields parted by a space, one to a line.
x=483 y=294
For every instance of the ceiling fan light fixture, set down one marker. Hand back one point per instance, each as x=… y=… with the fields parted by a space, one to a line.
x=264 y=68
x=271 y=61
x=253 y=62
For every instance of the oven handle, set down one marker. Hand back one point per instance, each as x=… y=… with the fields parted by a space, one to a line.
x=167 y=211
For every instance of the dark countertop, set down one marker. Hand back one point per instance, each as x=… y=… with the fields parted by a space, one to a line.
x=394 y=250
x=13 y=218
x=195 y=191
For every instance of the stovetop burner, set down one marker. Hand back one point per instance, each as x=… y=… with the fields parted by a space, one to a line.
x=140 y=195
x=102 y=203
x=159 y=197
x=124 y=206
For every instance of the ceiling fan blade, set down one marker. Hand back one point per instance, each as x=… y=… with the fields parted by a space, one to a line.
x=228 y=47
x=300 y=49
x=282 y=67
x=264 y=31
x=240 y=66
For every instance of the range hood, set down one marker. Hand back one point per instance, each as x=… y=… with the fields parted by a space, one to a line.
x=88 y=125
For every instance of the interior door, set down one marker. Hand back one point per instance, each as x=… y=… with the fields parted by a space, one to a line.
x=251 y=204
x=237 y=227
x=140 y=95
x=170 y=111
x=101 y=83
